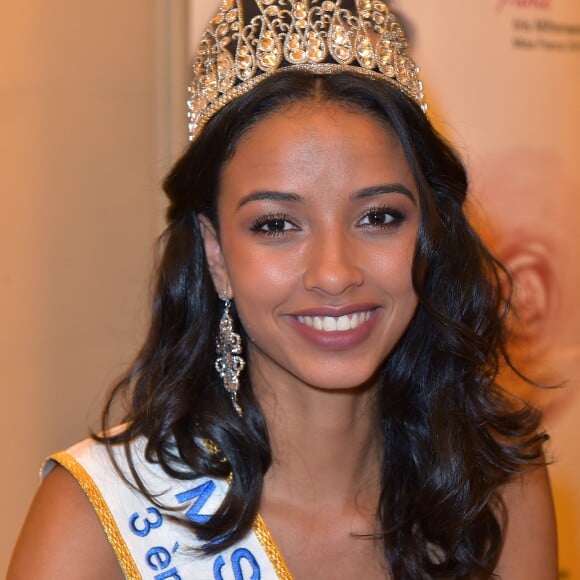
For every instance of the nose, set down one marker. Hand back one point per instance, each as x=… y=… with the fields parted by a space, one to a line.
x=333 y=266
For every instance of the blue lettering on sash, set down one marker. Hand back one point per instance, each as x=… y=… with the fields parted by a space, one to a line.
x=169 y=574
x=159 y=558
x=240 y=555
x=142 y=526
x=201 y=495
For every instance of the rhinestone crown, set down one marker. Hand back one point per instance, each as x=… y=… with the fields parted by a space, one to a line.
x=238 y=50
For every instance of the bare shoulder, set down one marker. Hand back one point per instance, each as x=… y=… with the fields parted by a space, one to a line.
x=62 y=536
x=530 y=548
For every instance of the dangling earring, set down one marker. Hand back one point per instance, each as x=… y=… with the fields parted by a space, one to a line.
x=229 y=364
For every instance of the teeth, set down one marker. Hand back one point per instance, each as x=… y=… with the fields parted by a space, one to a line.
x=343 y=323
x=333 y=323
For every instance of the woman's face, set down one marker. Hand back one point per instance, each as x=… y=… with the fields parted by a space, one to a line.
x=318 y=215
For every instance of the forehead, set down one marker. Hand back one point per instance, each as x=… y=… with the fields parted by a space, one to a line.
x=309 y=143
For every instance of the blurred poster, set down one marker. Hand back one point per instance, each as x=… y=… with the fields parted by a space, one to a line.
x=502 y=79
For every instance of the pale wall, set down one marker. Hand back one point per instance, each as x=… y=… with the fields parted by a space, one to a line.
x=88 y=121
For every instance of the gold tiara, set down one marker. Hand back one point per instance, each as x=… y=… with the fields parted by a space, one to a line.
x=249 y=40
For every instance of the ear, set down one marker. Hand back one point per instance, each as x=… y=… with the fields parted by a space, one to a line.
x=215 y=258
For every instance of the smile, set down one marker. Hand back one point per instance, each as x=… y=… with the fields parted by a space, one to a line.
x=335 y=323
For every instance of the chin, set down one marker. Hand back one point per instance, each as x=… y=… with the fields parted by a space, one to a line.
x=342 y=381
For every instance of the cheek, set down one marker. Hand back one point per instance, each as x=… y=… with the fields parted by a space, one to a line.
x=260 y=281
x=394 y=269
x=253 y=271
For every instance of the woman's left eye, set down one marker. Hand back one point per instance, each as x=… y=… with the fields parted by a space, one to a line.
x=381 y=217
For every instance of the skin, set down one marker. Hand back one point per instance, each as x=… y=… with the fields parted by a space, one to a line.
x=340 y=239
x=62 y=537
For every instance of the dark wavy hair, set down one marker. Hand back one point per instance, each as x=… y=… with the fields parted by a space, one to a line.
x=451 y=437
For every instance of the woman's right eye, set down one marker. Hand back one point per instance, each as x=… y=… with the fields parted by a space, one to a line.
x=273 y=225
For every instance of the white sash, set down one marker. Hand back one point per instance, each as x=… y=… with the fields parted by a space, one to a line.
x=147 y=543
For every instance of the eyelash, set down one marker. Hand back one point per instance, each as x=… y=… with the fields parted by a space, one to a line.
x=269 y=220
x=396 y=217
x=279 y=221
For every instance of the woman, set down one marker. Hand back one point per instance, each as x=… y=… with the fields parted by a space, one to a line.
x=316 y=232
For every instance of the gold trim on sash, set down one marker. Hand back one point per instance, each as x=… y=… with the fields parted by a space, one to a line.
x=103 y=513
x=261 y=530
x=271 y=549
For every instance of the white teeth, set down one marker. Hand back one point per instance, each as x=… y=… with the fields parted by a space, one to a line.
x=343 y=323
x=333 y=323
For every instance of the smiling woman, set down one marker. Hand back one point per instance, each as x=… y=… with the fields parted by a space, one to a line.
x=316 y=232
x=317 y=224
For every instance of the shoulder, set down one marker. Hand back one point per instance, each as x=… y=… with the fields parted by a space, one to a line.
x=67 y=532
x=62 y=536
x=530 y=546
x=91 y=519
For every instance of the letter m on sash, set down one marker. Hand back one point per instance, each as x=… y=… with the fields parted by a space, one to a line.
x=199 y=496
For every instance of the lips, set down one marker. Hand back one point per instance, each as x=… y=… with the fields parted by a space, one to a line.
x=336 y=329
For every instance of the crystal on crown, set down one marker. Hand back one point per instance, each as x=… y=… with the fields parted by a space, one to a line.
x=322 y=36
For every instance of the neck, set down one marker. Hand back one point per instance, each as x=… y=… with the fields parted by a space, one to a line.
x=325 y=446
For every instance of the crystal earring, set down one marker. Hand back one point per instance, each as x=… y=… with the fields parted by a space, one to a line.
x=229 y=364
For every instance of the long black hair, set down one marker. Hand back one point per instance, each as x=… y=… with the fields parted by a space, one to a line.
x=451 y=437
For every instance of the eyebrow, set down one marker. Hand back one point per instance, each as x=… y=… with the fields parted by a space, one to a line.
x=375 y=190
x=269 y=196
x=385 y=188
